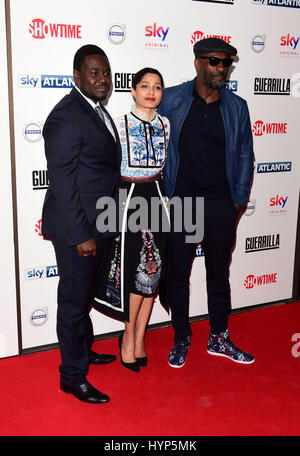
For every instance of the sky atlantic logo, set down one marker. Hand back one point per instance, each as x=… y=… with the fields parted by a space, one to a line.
x=264 y=242
x=198 y=35
x=45 y=81
x=261 y=128
x=252 y=281
x=41 y=272
x=282 y=3
x=39 y=30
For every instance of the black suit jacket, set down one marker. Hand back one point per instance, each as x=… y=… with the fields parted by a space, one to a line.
x=83 y=162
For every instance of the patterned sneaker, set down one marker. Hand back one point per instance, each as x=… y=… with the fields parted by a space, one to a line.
x=221 y=345
x=178 y=354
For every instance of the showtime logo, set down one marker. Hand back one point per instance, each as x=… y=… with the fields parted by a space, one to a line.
x=259 y=128
x=199 y=35
x=39 y=29
x=266 y=279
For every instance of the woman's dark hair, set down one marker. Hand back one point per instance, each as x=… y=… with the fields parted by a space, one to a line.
x=88 y=49
x=140 y=74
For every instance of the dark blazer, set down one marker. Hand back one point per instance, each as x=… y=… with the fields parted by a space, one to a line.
x=83 y=162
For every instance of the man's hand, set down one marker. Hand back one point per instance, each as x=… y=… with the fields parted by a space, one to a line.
x=87 y=248
x=239 y=207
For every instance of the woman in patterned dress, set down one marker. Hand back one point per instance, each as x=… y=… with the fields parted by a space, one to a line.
x=136 y=264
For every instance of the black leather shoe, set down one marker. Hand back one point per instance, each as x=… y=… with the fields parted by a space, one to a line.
x=100 y=358
x=85 y=393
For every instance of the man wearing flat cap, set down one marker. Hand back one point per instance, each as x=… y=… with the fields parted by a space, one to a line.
x=210 y=155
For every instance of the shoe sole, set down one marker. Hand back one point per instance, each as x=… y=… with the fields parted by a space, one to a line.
x=231 y=359
x=176 y=367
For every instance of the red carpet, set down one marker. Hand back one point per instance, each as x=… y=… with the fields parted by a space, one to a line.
x=209 y=396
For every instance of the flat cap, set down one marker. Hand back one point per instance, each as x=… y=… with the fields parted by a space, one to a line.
x=213 y=45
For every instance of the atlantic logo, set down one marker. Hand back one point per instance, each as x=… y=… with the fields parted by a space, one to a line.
x=272 y=86
x=259 y=243
x=273 y=167
x=40 y=179
x=282 y=3
x=198 y=35
x=123 y=82
x=45 y=81
x=266 y=279
x=260 y=128
x=231 y=85
x=39 y=30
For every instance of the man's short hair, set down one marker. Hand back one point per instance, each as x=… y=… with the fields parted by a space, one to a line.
x=88 y=49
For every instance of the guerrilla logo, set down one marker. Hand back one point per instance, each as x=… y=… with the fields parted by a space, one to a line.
x=40 y=179
x=266 y=279
x=117 y=33
x=274 y=167
x=260 y=128
x=39 y=29
x=123 y=82
x=199 y=35
x=272 y=86
x=259 y=243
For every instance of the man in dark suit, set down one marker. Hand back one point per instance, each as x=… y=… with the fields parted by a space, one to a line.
x=83 y=157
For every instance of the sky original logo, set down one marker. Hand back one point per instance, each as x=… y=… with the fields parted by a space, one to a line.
x=259 y=243
x=266 y=279
x=289 y=45
x=272 y=86
x=199 y=35
x=45 y=81
x=39 y=29
x=158 y=36
x=41 y=272
x=278 y=204
x=260 y=128
x=274 y=167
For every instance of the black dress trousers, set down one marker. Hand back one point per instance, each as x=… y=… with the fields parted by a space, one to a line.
x=220 y=217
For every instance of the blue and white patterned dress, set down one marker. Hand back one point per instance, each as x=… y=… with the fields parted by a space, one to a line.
x=137 y=258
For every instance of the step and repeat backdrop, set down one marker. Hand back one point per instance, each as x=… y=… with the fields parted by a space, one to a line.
x=134 y=34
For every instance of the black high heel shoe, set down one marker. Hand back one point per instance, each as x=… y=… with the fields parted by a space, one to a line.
x=131 y=366
x=142 y=362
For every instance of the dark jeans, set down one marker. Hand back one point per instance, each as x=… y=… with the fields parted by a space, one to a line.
x=75 y=291
x=220 y=218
